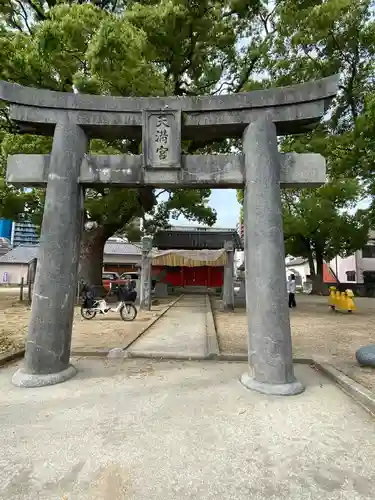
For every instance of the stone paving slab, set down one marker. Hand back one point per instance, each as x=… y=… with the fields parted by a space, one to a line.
x=181 y=331
x=147 y=430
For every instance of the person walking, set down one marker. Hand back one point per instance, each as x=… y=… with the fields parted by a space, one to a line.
x=292 y=291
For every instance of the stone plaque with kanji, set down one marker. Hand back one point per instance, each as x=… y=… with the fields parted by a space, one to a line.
x=162 y=138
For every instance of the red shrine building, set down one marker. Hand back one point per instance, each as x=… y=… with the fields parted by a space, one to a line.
x=192 y=256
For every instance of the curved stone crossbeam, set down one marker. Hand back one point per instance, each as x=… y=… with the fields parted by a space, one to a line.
x=366 y=355
x=293 y=109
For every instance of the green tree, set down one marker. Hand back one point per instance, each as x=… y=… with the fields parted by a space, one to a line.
x=318 y=226
x=315 y=39
x=15 y=204
x=312 y=39
x=127 y=48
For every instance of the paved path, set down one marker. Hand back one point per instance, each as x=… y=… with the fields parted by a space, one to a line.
x=148 y=430
x=181 y=331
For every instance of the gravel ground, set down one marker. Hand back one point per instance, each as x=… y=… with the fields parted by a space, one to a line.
x=14 y=317
x=165 y=430
x=101 y=332
x=111 y=331
x=316 y=332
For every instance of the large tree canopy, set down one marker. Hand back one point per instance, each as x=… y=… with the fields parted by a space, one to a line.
x=124 y=48
x=190 y=47
x=323 y=38
x=312 y=39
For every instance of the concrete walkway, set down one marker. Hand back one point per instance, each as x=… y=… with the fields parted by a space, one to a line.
x=181 y=331
x=148 y=430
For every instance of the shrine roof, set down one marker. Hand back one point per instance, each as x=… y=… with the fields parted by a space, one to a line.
x=178 y=239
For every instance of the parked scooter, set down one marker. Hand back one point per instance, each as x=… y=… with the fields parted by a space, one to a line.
x=92 y=306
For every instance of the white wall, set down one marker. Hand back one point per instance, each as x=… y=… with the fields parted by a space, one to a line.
x=15 y=273
x=122 y=259
x=301 y=270
x=239 y=256
x=18 y=271
x=341 y=265
x=352 y=263
x=365 y=265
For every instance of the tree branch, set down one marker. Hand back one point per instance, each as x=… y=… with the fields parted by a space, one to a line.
x=37 y=9
x=24 y=16
x=161 y=192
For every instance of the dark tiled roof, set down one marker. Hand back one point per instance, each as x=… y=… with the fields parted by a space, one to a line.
x=24 y=254
x=172 y=239
x=20 y=255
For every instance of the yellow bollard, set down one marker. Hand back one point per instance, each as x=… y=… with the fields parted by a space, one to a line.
x=350 y=304
x=332 y=297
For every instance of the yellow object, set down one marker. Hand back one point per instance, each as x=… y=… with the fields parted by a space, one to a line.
x=342 y=304
x=332 y=297
x=350 y=304
x=338 y=300
x=343 y=301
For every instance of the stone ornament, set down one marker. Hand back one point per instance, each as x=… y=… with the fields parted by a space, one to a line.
x=366 y=355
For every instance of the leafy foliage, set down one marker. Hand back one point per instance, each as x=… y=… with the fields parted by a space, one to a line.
x=191 y=47
x=312 y=39
x=128 y=48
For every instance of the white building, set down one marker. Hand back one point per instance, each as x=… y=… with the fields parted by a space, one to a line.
x=353 y=269
x=119 y=256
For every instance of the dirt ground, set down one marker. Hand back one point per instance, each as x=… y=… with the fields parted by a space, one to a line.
x=102 y=332
x=316 y=333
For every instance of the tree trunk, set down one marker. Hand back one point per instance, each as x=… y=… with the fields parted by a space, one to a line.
x=91 y=256
x=318 y=281
x=310 y=258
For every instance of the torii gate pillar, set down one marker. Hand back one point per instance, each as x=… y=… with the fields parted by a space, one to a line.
x=269 y=344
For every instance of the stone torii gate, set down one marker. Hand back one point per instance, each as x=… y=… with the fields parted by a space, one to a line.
x=73 y=119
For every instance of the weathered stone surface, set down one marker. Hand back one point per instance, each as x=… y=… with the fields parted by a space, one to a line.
x=50 y=329
x=229 y=246
x=200 y=127
x=146 y=284
x=293 y=94
x=162 y=139
x=293 y=109
x=270 y=345
x=228 y=291
x=24 y=379
x=289 y=389
x=224 y=171
x=146 y=244
x=366 y=355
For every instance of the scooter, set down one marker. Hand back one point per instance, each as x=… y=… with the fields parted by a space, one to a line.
x=92 y=306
